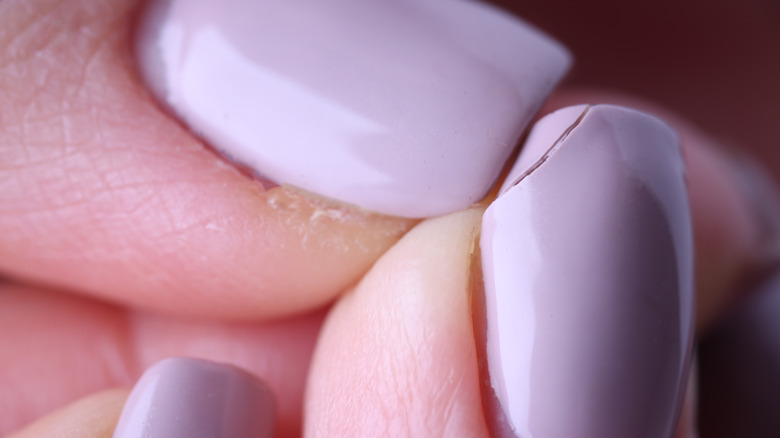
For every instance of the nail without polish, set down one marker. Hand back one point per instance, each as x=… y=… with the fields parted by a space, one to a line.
x=406 y=107
x=192 y=398
x=587 y=257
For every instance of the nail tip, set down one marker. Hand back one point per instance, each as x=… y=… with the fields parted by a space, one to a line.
x=545 y=135
x=605 y=214
x=185 y=397
x=404 y=114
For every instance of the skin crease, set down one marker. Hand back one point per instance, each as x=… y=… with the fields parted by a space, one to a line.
x=76 y=105
x=421 y=359
x=423 y=379
x=98 y=186
x=80 y=346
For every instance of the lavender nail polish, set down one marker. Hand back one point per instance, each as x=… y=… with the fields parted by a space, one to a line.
x=587 y=257
x=404 y=107
x=192 y=398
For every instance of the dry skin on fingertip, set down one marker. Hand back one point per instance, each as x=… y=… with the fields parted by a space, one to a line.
x=103 y=193
x=313 y=218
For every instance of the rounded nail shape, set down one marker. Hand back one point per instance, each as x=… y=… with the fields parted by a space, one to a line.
x=408 y=108
x=588 y=270
x=192 y=398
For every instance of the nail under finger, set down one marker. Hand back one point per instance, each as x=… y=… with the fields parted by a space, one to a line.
x=192 y=398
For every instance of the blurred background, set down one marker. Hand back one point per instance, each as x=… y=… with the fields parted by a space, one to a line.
x=717 y=64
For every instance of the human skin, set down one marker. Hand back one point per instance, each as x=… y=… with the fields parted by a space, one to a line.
x=94 y=177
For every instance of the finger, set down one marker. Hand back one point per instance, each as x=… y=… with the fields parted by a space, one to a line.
x=57 y=348
x=101 y=192
x=396 y=356
x=184 y=397
x=734 y=208
x=570 y=342
x=104 y=193
x=93 y=416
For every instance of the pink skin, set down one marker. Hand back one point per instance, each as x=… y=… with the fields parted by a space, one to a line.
x=106 y=195
x=70 y=99
x=96 y=346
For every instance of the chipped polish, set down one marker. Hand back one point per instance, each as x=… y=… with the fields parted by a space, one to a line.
x=587 y=257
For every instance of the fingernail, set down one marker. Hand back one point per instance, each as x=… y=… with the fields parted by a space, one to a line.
x=587 y=258
x=182 y=397
x=408 y=108
x=739 y=362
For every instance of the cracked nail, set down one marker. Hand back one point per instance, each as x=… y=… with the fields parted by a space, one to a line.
x=587 y=257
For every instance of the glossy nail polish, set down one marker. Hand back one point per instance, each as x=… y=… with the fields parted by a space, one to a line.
x=405 y=107
x=588 y=274
x=192 y=398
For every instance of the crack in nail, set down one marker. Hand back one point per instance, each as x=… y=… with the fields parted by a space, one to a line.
x=549 y=152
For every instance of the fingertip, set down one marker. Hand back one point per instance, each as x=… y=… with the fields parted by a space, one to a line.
x=397 y=354
x=94 y=416
x=105 y=194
